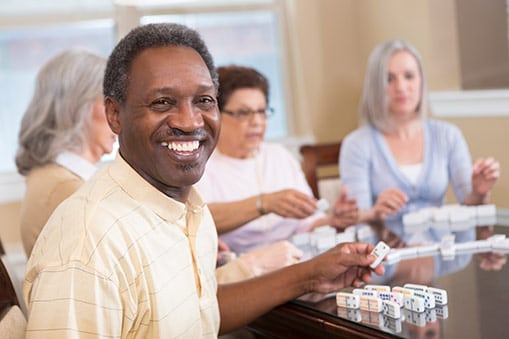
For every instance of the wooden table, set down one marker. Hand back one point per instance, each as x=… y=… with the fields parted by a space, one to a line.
x=478 y=308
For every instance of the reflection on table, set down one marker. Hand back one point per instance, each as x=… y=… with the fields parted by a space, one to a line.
x=477 y=283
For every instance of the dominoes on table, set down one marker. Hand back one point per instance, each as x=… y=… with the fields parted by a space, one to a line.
x=380 y=251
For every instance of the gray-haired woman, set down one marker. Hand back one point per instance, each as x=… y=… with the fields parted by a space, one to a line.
x=63 y=134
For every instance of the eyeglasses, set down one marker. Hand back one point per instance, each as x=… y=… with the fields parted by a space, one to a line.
x=246 y=114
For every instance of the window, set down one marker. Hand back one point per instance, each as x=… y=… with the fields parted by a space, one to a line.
x=22 y=52
x=247 y=39
x=243 y=32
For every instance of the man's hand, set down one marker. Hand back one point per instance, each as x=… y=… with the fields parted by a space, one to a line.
x=344 y=265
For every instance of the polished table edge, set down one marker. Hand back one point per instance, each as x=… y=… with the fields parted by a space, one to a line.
x=293 y=320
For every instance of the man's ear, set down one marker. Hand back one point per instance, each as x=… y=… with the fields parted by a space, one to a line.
x=113 y=114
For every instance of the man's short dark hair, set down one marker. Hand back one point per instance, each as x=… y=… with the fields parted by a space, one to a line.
x=150 y=36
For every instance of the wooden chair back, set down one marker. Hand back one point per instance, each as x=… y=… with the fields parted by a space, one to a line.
x=317 y=156
x=7 y=292
x=12 y=320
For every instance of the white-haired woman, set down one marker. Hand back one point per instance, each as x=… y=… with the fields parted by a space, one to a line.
x=401 y=161
x=63 y=134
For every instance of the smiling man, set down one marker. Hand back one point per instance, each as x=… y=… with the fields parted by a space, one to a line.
x=133 y=252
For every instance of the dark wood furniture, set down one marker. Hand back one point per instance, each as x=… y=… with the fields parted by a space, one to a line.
x=7 y=293
x=12 y=320
x=294 y=320
x=316 y=156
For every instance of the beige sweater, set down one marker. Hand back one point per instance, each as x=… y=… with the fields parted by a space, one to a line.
x=46 y=188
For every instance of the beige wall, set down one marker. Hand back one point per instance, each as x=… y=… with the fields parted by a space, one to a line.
x=334 y=39
x=9 y=227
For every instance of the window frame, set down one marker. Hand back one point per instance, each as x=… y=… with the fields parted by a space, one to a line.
x=126 y=16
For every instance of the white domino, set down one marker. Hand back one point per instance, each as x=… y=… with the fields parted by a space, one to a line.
x=439 y=294
x=322 y=205
x=323 y=243
x=301 y=239
x=392 y=257
x=378 y=288
x=353 y=314
x=384 y=295
x=350 y=314
x=348 y=300
x=414 y=219
x=407 y=252
x=416 y=287
x=380 y=251
x=474 y=246
x=345 y=237
x=416 y=318
x=467 y=246
x=365 y=293
x=370 y=304
x=391 y=324
x=427 y=250
x=365 y=233
x=391 y=309
x=442 y=312
x=372 y=318
x=462 y=214
x=496 y=238
x=431 y=315
x=403 y=290
x=502 y=245
x=414 y=303
x=440 y=215
x=483 y=211
x=447 y=248
x=326 y=229
x=397 y=298
x=429 y=299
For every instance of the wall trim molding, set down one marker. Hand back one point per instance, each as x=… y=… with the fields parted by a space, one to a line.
x=12 y=184
x=12 y=187
x=470 y=104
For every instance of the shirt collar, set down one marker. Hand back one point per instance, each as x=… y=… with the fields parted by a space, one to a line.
x=141 y=190
x=76 y=164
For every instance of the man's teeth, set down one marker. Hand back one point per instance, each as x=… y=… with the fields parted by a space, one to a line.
x=182 y=146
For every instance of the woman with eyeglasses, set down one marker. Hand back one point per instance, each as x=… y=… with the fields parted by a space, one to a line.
x=256 y=190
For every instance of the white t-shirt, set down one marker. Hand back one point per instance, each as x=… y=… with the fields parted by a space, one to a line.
x=232 y=179
x=412 y=172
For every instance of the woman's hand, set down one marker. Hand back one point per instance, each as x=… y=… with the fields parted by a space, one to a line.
x=389 y=202
x=386 y=235
x=489 y=261
x=485 y=174
x=272 y=257
x=345 y=212
x=223 y=253
x=289 y=203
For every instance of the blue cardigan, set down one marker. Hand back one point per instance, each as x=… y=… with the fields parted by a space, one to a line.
x=367 y=168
